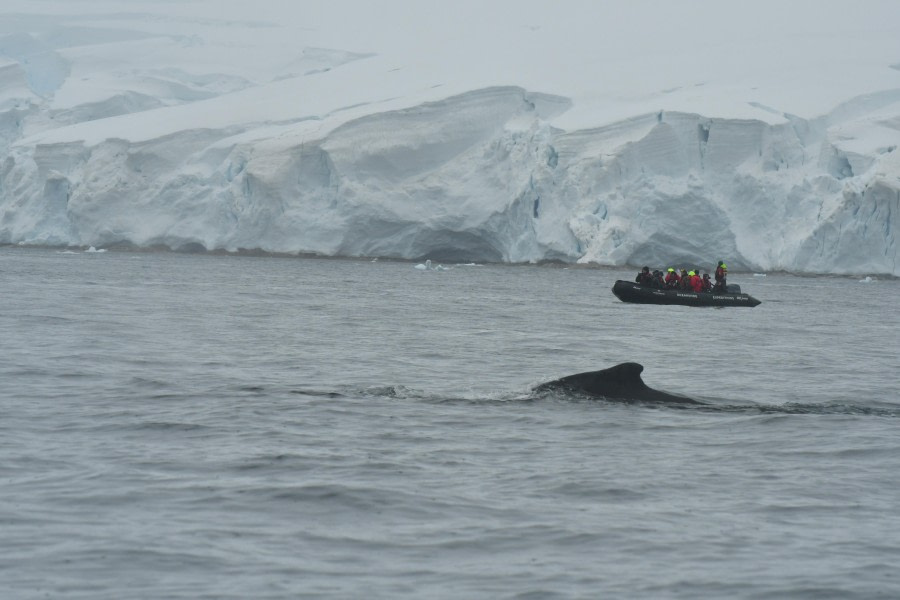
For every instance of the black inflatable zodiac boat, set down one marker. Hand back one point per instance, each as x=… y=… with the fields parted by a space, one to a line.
x=627 y=291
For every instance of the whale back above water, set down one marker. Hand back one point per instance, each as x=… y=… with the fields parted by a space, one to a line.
x=622 y=382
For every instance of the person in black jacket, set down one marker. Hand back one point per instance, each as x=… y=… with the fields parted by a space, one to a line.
x=644 y=277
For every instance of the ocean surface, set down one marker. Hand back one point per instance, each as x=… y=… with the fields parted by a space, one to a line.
x=203 y=426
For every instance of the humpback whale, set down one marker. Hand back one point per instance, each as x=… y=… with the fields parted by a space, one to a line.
x=622 y=383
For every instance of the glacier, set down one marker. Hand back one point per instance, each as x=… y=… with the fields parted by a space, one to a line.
x=585 y=132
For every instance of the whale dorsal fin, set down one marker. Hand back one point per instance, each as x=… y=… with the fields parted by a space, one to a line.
x=628 y=372
x=622 y=382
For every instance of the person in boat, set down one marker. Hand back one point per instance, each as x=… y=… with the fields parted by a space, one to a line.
x=685 y=283
x=672 y=279
x=695 y=283
x=720 y=275
x=707 y=284
x=644 y=277
x=658 y=281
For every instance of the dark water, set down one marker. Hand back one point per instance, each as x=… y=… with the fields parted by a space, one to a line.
x=181 y=426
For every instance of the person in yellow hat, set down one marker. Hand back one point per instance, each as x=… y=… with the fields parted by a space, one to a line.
x=672 y=278
x=696 y=284
x=721 y=273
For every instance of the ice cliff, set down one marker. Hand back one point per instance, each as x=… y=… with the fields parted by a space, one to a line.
x=126 y=129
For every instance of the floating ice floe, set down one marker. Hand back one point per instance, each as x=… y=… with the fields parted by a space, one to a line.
x=759 y=274
x=868 y=279
x=427 y=266
x=95 y=251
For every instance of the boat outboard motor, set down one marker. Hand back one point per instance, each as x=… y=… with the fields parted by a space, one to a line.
x=733 y=288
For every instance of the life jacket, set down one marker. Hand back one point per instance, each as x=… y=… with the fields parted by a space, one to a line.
x=696 y=283
x=720 y=274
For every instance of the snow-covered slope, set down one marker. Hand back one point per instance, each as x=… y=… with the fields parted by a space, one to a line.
x=634 y=132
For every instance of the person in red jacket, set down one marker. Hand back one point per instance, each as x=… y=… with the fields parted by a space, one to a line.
x=673 y=280
x=696 y=282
